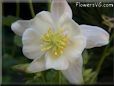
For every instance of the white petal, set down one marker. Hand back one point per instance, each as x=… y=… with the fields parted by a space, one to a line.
x=70 y=27
x=37 y=65
x=77 y=41
x=74 y=72
x=58 y=63
x=32 y=36
x=44 y=16
x=19 y=26
x=60 y=7
x=75 y=48
x=43 y=21
x=96 y=36
x=31 y=44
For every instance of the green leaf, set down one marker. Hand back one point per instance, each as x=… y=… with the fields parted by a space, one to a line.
x=37 y=75
x=7 y=21
x=88 y=75
x=86 y=57
x=87 y=72
x=18 y=40
x=8 y=61
x=6 y=80
x=21 y=67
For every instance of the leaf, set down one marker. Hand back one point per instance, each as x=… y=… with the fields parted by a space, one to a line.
x=8 y=61
x=88 y=75
x=87 y=72
x=7 y=21
x=18 y=40
x=6 y=80
x=86 y=57
x=21 y=67
x=37 y=75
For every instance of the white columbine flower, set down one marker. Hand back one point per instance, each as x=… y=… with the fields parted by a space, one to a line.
x=54 y=40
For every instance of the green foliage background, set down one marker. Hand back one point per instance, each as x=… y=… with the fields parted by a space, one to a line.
x=98 y=62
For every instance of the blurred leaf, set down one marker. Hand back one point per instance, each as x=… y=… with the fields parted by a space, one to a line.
x=36 y=78
x=6 y=80
x=63 y=79
x=18 y=40
x=47 y=77
x=50 y=75
x=7 y=21
x=9 y=61
x=87 y=72
x=39 y=74
x=55 y=77
x=21 y=67
x=88 y=75
x=85 y=57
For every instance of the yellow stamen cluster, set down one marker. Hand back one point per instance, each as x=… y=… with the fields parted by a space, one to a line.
x=54 y=42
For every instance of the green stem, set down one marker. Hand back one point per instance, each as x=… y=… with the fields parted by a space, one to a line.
x=17 y=8
x=43 y=77
x=49 y=5
x=103 y=57
x=102 y=60
x=17 y=15
x=31 y=8
x=59 y=77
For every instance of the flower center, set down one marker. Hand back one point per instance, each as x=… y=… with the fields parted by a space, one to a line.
x=54 y=42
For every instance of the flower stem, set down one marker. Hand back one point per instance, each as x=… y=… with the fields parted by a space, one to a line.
x=104 y=55
x=17 y=8
x=17 y=15
x=100 y=63
x=43 y=77
x=49 y=5
x=106 y=52
x=59 y=77
x=31 y=8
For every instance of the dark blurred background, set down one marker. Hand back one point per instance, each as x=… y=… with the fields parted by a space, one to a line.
x=13 y=55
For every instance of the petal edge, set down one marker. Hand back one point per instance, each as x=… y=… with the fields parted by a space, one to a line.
x=96 y=36
x=74 y=73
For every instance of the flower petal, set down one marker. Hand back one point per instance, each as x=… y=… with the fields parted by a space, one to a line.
x=96 y=36
x=60 y=7
x=75 y=48
x=70 y=27
x=77 y=41
x=43 y=22
x=74 y=72
x=37 y=65
x=31 y=36
x=21 y=25
x=31 y=44
x=58 y=63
